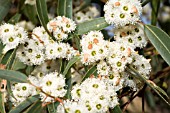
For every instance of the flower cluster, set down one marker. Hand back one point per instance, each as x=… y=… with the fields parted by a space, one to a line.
x=94 y=47
x=41 y=47
x=51 y=84
x=122 y=12
x=60 y=27
x=112 y=58
x=22 y=91
x=132 y=35
x=11 y=36
x=93 y=98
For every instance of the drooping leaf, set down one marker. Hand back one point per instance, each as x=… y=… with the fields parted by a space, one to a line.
x=91 y=71
x=160 y=40
x=2 y=107
x=15 y=18
x=65 y=8
x=116 y=109
x=4 y=8
x=14 y=76
x=42 y=13
x=70 y=63
x=25 y=104
x=35 y=108
x=95 y=24
x=152 y=85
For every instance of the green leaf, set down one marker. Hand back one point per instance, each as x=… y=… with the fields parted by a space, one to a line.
x=95 y=24
x=14 y=76
x=152 y=85
x=69 y=85
x=145 y=2
x=42 y=13
x=29 y=70
x=91 y=71
x=65 y=8
x=51 y=108
x=150 y=99
x=70 y=63
x=160 y=90
x=35 y=108
x=4 y=8
x=30 y=13
x=8 y=58
x=25 y=104
x=15 y=18
x=116 y=109
x=1 y=48
x=17 y=65
x=2 y=107
x=155 y=8
x=160 y=40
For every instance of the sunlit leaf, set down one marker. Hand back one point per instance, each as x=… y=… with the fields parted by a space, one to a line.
x=95 y=24
x=160 y=40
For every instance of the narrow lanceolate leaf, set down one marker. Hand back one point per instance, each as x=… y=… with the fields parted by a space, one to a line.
x=65 y=8
x=25 y=104
x=70 y=63
x=1 y=48
x=151 y=84
x=14 y=76
x=15 y=18
x=155 y=8
x=42 y=13
x=160 y=40
x=116 y=109
x=35 y=108
x=91 y=71
x=95 y=24
x=30 y=13
x=4 y=8
x=2 y=108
